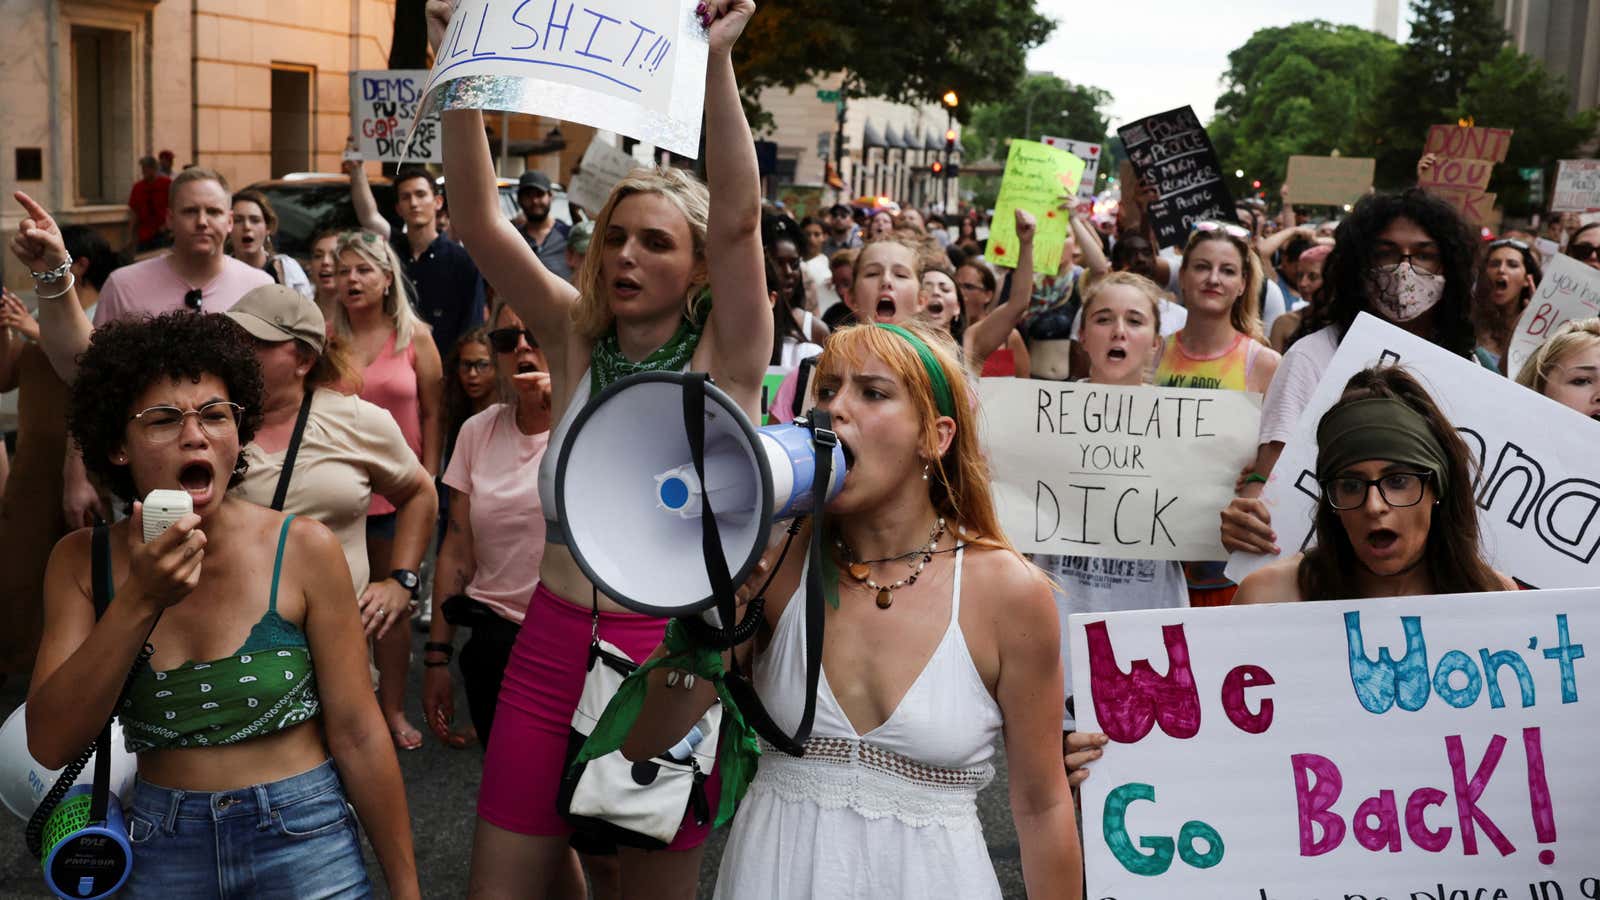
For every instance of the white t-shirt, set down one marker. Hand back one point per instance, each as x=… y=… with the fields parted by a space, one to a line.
x=1085 y=584
x=1296 y=380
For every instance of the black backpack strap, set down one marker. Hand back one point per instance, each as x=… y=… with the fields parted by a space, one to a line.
x=100 y=568
x=280 y=495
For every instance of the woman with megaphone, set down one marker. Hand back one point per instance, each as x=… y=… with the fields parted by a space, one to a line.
x=940 y=638
x=641 y=303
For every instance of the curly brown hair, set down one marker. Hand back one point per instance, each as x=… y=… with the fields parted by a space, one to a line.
x=125 y=358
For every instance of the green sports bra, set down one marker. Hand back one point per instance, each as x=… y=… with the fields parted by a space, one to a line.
x=266 y=685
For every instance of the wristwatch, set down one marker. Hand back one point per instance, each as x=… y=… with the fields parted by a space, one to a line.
x=407 y=579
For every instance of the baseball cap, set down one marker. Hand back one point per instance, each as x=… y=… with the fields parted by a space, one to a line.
x=277 y=313
x=538 y=181
x=578 y=237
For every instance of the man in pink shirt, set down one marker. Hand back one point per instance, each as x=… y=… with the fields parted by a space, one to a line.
x=197 y=274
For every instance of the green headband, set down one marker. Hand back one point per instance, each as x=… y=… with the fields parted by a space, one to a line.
x=942 y=397
x=1378 y=428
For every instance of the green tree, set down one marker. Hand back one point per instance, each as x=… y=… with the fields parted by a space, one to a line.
x=1042 y=104
x=1306 y=88
x=900 y=50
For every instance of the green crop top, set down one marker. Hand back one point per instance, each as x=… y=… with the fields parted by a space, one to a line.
x=266 y=685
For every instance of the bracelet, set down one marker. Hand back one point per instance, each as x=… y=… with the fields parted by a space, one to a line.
x=439 y=647
x=53 y=275
x=71 y=281
x=1254 y=477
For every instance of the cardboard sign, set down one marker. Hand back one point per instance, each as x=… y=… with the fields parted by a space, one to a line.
x=1172 y=153
x=1537 y=494
x=1085 y=150
x=1035 y=179
x=1121 y=472
x=1329 y=180
x=602 y=167
x=1577 y=186
x=1417 y=748
x=638 y=69
x=1449 y=173
x=1568 y=290
x=383 y=112
x=1460 y=175
x=1456 y=141
x=1473 y=205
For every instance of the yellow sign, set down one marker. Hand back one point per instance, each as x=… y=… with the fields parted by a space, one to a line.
x=1038 y=179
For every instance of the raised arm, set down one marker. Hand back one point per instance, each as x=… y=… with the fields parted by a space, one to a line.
x=1094 y=254
x=541 y=298
x=361 y=194
x=990 y=333
x=1268 y=247
x=741 y=318
x=63 y=328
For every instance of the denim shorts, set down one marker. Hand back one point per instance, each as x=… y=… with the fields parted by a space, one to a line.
x=293 y=839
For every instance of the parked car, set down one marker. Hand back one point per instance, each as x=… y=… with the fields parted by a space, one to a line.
x=309 y=202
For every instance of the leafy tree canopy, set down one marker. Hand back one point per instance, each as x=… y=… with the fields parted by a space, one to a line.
x=1042 y=104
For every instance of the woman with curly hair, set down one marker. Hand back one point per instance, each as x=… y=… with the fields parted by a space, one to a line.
x=1407 y=258
x=1506 y=282
x=246 y=759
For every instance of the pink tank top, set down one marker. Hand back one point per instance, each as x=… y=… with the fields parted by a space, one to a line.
x=390 y=382
x=1228 y=370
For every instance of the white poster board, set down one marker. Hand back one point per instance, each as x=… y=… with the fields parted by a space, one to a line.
x=1422 y=748
x=1577 y=186
x=602 y=167
x=1122 y=472
x=383 y=116
x=1087 y=151
x=1568 y=290
x=638 y=69
x=1538 y=487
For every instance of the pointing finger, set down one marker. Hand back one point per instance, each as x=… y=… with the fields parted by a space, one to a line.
x=34 y=210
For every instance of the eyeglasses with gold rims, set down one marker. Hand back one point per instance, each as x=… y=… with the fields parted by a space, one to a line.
x=162 y=424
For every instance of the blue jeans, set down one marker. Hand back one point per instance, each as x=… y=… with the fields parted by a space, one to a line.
x=293 y=839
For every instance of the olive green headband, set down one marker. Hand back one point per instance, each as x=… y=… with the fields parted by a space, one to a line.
x=1378 y=428
x=942 y=397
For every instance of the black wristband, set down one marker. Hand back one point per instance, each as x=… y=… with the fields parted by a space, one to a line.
x=439 y=647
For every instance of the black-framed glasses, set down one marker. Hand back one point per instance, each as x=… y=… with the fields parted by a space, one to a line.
x=1583 y=252
x=162 y=424
x=504 y=340
x=1509 y=242
x=193 y=299
x=1425 y=260
x=474 y=366
x=1398 y=489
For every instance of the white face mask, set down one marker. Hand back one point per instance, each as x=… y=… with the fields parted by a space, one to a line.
x=1402 y=292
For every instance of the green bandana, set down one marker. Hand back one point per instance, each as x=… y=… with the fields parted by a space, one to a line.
x=607 y=364
x=942 y=397
x=1378 y=428
x=739 y=752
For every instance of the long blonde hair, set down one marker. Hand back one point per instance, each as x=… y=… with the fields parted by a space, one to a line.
x=399 y=302
x=958 y=482
x=1572 y=336
x=591 y=315
x=1245 y=316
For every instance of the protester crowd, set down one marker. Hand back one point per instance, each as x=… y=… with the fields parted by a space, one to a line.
x=404 y=394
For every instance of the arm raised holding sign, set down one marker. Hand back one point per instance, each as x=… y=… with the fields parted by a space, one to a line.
x=990 y=333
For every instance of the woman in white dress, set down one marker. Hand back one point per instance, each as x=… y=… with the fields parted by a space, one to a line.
x=943 y=638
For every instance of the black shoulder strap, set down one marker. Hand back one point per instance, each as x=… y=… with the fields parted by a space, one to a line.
x=282 y=493
x=100 y=568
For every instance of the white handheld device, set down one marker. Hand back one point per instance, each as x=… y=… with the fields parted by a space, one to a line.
x=162 y=508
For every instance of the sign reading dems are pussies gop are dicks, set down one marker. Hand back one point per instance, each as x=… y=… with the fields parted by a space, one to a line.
x=1415 y=748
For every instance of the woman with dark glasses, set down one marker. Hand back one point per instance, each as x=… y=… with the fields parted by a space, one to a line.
x=1397 y=516
x=1506 y=282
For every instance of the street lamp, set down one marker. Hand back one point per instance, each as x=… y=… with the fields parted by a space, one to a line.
x=1238 y=173
x=951 y=101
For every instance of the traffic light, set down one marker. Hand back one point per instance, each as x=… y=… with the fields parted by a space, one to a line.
x=952 y=170
x=950 y=141
x=936 y=167
x=1256 y=184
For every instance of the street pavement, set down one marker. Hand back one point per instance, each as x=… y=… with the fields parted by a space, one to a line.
x=442 y=786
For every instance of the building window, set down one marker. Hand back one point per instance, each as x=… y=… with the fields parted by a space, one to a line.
x=291 y=120
x=103 y=120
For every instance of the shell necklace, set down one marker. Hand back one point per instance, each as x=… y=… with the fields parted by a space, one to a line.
x=862 y=571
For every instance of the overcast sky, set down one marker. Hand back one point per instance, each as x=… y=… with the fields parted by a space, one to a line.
x=1171 y=52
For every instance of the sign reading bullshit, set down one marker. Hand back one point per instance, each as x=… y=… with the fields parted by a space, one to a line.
x=1172 y=153
x=638 y=69
x=1410 y=748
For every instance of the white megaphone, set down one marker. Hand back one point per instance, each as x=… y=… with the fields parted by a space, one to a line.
x=627 y=494
x=24 y=780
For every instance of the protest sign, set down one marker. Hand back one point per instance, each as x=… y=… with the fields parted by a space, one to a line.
x=1035 y=179
x=1087 y=151
x=1122 y=472
x=638 y=69
x=1464 y=163
x=1415 y=748
x=1450 y=173
x=1463 y=142
x=1569 y=290
x=1329 y=180
x=1577 y=186
x=1475 y=206
x=1538 y=502
x=801 y=200
x=1172 y=153
x=383 y=112
x=602 y=167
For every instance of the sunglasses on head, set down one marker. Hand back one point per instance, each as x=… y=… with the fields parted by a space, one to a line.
x=1238 y=231
x=504 y=340
x=1509 y=242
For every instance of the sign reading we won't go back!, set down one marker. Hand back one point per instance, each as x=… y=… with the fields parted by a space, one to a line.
x=1416 y=748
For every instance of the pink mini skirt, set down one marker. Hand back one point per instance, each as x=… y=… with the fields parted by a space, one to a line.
x=533 y=716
